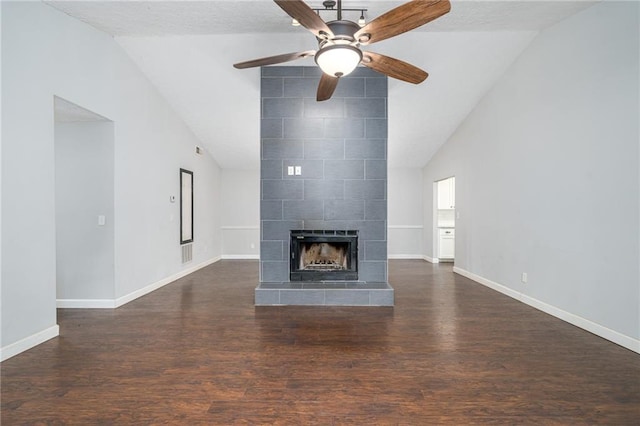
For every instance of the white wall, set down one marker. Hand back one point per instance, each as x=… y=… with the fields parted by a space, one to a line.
x=1 y=178
x=547 y=178
x=84 y=191
x=240 y=214
x=404 y=193
x=47 y=53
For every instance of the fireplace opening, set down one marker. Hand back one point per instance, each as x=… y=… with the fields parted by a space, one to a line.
x=324 y=255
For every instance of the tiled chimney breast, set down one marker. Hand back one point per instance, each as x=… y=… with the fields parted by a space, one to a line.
x=341 y=147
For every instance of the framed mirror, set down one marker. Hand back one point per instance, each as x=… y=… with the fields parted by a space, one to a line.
x=186 y=206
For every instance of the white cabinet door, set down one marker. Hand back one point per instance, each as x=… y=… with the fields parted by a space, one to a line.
x=446 y=194
x=447 y=248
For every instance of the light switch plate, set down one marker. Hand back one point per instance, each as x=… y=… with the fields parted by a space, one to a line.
x=290 y=170
x=102 y=220
x=298 y=170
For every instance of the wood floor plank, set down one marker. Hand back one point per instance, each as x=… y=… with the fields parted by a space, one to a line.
x=198 y=352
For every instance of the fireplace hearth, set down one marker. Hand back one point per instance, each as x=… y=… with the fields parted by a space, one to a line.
x=326 y=255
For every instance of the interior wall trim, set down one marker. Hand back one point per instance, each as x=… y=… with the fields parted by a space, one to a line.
x=29 y=342
x=588 y=325
x=240 y=228
x=405 y=256
x=86 y=303
x=154 y=286
x=431 y=259
x=116 y=303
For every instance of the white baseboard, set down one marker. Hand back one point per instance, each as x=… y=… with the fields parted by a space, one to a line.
x=51 y=332
x=86 y=303
x=22 y=345
x=405 y=256
x=152 y=287
x=241 y=257
x=431 y=259
x=590 y=326
x=115 y=303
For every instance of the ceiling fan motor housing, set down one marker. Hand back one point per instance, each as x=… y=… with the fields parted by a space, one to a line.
x=343 y=31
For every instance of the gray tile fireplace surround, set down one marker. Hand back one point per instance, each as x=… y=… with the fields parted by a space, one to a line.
x=341 y=147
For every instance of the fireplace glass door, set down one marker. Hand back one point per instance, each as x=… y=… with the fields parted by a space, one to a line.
x=324 y=255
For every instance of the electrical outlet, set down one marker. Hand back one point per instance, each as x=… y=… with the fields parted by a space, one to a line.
x=524 y=277
x=290 y=170
x=298 y=170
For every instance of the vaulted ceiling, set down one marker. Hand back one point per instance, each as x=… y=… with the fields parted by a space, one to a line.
x=187 y=48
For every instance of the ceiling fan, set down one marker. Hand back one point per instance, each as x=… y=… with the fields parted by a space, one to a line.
x=339 y=41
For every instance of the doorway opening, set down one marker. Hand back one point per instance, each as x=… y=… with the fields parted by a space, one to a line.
x=445 y=219
x=84 y=206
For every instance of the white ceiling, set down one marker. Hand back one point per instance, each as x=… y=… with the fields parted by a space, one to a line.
x=186 y=49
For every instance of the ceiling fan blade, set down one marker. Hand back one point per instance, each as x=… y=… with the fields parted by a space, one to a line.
x=326 y=87
x=271 y=60
x=402 y=19
x=306 y=16
x=393 y=67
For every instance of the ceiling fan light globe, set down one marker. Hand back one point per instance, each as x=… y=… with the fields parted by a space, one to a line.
x=361 y=20
x=338 y=60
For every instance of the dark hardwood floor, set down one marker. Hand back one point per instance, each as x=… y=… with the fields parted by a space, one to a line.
x=198 y=352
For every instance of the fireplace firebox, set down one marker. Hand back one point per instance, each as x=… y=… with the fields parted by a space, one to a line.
x=327 y=255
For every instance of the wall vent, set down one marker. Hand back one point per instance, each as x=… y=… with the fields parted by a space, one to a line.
x=187 y=253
